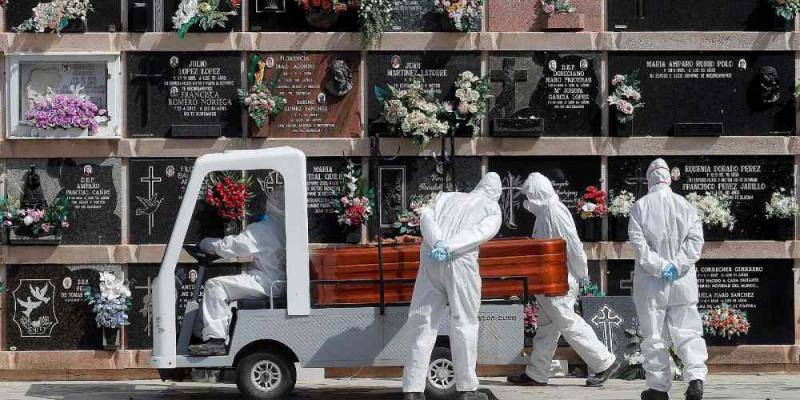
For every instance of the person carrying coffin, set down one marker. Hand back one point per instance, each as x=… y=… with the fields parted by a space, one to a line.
x=557 y=315
x=266 y=242
x=453 y=228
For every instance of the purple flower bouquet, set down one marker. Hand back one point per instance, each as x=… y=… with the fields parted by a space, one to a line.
x=64 y=115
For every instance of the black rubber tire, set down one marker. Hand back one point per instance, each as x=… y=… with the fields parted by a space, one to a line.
x=282 y=389
x=437 y=393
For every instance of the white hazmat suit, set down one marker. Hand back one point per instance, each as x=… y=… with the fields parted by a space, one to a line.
x=460 y=223
x=266 y=241
x=557 y=315
x=666 y=230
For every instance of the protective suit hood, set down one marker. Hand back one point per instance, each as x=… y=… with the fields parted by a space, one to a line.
x=490 y=186
x=540 y=192
x=658 y=174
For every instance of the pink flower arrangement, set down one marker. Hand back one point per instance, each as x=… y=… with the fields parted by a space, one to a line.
x=64 y=111
x=725 y=321
x=35 y=222
x=626 y=97
x=551 y=7
x=354 y=207
x=531 y=318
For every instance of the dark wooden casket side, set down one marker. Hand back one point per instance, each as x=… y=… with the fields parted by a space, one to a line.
x=543 y=262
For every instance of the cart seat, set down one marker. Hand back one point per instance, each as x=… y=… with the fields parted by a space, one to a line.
x=260 y=304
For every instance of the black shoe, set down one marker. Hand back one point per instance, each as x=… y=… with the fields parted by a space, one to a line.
x=695 y=390
x=413 y=396
x=212 y=347
x=651 y=394
x=473 y=396
x=524 y=380
x=599 y=378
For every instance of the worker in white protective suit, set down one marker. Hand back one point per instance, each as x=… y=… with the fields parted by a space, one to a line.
x=453 y=228
x=265 y=276
x=557 y=315
x=667 y=236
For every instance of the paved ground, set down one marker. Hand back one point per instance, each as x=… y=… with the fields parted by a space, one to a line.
x=772 y=387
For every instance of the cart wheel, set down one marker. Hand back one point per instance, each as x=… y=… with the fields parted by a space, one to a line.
x=266 y=376
x=441 y=382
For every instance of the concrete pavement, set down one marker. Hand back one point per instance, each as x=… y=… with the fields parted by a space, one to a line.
x=745 y=387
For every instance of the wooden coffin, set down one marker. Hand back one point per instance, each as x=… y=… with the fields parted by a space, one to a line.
x=348 y=275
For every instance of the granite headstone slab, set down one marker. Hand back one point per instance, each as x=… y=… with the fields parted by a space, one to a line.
x=687 y=15
x=322 y=91
x=570 y=177
x=106 y=17
x=289 y=16
x=183 y=94
x=323 y=182
x=46 y=309
x=762 y=288
x=749 y=180
x=439 y=71
x=405 y=179
x=140 y=278
x=711 y=94
x=610 y=317
x=527 y=15
x=156 y=192
x=544 y=93
x=234 y=23
x=92 y=187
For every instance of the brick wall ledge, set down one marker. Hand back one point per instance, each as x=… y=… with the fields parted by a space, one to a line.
x=343 y=41
x=358 y=147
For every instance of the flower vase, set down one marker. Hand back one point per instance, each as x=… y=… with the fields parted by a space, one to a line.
x=618 y=227
x=320 y=18
x=783 y=229
x=565 y=22
x=715 y=233
x=718 y=341
x=353 y=236
x=111 y=338
x=622 y=129
x=59 y=133
x=24 y=236
x=447 y=23
x=76 y=25
x=591 y=230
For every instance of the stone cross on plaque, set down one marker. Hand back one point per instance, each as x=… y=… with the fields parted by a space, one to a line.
x=639 y=183
x=627 y=284
x=270 y=6
x=505 y=102
x=150 y=205
x=147 y=306
x=607 y=319
x=512 y=189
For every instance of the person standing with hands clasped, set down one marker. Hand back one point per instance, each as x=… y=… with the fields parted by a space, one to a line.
x=453 y=228
x=557 y=315
x=667 y=236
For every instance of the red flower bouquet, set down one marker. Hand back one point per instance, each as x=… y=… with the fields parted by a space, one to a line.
x=593 y=203
x=338 y=6
x=229 y=195
x=726 y=322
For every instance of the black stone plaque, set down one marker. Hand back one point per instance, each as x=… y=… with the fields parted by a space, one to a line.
x=419 y=16
x=610 y=317
x=407 y=178
x=545 y=93
x=762 y=288
x=179 y=94
x=234 y=22
x=570 y=176
x=141 y=14
x=156 y=191
x=92 y=187
x=687 y=15
x=107 y=16
x=46 y=309
x=711 y=94
x=323 y=182
x=288 y=16
x=749 y=180
x=141 y=276
x=439 y=71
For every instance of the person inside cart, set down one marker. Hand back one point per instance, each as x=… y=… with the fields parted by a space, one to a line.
x=266 y=242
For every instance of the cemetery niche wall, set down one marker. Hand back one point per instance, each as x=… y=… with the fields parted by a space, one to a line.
x=764 y=289
x=707 y=94
x=531 y=16
x=302 y=16
x=544 y=94
x=183 y=94
x=106 y=17
x=748 y=182
x=687 y=15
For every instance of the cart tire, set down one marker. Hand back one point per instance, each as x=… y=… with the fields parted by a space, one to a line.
x=441 y=378
x=266 y=376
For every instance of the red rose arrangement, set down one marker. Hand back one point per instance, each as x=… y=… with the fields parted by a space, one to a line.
x=230 y=196
x=593 y=203
x=338 y=6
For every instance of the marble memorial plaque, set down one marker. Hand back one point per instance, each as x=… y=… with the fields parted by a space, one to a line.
x=544 y=93
x=710 y=94
x=323 y=95
x=687 y=15
x=570 y=176
x=92 y=187
x=46 y=309
x=106 y=17
x=527 y=15
x=140 y=278
x=749 y=180
x=610 y=317
x=179 y=94
x=439 y=71
x=289 y=16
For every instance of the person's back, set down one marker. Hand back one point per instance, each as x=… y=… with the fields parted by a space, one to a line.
x=666 y=218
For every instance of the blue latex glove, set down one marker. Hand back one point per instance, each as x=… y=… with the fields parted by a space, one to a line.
x=261 y=218
x=670 y=273
x=439 y=252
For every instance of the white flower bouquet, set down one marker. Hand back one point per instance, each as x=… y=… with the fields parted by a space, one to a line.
x=472 y=92
x=782 y=205
x=464 y=15
x=627 y=96
x=621 y=204
x=204 y=13
x=412 y=112
x=714 y=209
x=55 y=16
